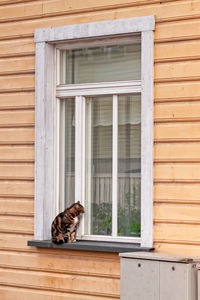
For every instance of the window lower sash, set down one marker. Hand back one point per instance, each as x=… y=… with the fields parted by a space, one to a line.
x=80 y=171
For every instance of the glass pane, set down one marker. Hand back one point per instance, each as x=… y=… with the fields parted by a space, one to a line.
x=98 y=207
x=129 y=165
x=101 y=64
x=69 y=153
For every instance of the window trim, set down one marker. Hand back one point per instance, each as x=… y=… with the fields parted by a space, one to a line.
x=47 y=112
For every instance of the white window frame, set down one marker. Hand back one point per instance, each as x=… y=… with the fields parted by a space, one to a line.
x=47 y=111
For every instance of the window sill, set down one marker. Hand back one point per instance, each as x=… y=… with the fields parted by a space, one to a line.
x=92 y=246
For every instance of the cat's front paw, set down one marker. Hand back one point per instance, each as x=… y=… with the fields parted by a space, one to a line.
x=66 y=239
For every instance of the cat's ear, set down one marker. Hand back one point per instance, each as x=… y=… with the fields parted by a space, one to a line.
x=78 y=202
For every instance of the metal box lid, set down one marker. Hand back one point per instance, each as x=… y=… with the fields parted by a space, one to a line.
x=161 y=257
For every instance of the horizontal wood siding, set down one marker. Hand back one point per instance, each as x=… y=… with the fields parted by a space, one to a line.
x=42 y=274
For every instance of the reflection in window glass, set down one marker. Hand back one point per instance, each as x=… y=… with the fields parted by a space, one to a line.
x=129 y=165
x=101 y=64
x=69 y=153
x=98 y=216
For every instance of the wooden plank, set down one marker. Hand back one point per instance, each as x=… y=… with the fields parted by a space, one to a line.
x=183 y=110
x=190 y=130
x=174 y=171
x=16 y=206
x=61 y=282
x=182 y=30
x=17 y=118
x=17 y=47
x=177 y=232
x=16 y=242
x=61 y=263
x=57 y=6
x=11 y=2
x=17 y=171
x=17 y=100
x=181 y=249
x=16 y=135
x=16 y=188
x=177 y=91
x=183 y=50
x=177 y=213
x=177 y=191
x=17 y=153
x=177 y=70
x=22 y=82
x=18 y=224
x=78 y=253
x=177 y=151
x=17 y=65
x=10 y=293
x=21 y=10
x=6 y=2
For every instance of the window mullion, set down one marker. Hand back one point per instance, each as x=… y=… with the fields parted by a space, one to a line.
x=88 y=156
x=80 y=154
x=61 y=128
x=78 y=147
x=115 y=166
x=83 y=163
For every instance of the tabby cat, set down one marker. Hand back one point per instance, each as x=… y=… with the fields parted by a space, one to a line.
x=64 y=226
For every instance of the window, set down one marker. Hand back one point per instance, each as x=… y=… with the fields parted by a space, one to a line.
x=94 y=128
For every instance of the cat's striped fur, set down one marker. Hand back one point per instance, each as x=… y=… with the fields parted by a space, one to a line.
x=64 y=226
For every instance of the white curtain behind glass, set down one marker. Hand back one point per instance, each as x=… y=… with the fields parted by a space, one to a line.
x=130 y=116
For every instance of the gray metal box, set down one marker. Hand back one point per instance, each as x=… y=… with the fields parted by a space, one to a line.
x=198 y=278
x=153 y=276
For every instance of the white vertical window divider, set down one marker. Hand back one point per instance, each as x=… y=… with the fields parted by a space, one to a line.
x=61 y=155
x=89 y=163
x=83 y=156
x=80 y=155
x=78 y=147
x=115 y=166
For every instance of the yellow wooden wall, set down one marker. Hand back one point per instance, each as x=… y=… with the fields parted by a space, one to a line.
x=31 y=273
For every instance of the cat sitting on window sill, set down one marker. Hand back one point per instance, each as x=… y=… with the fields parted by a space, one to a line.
x=64 y=226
